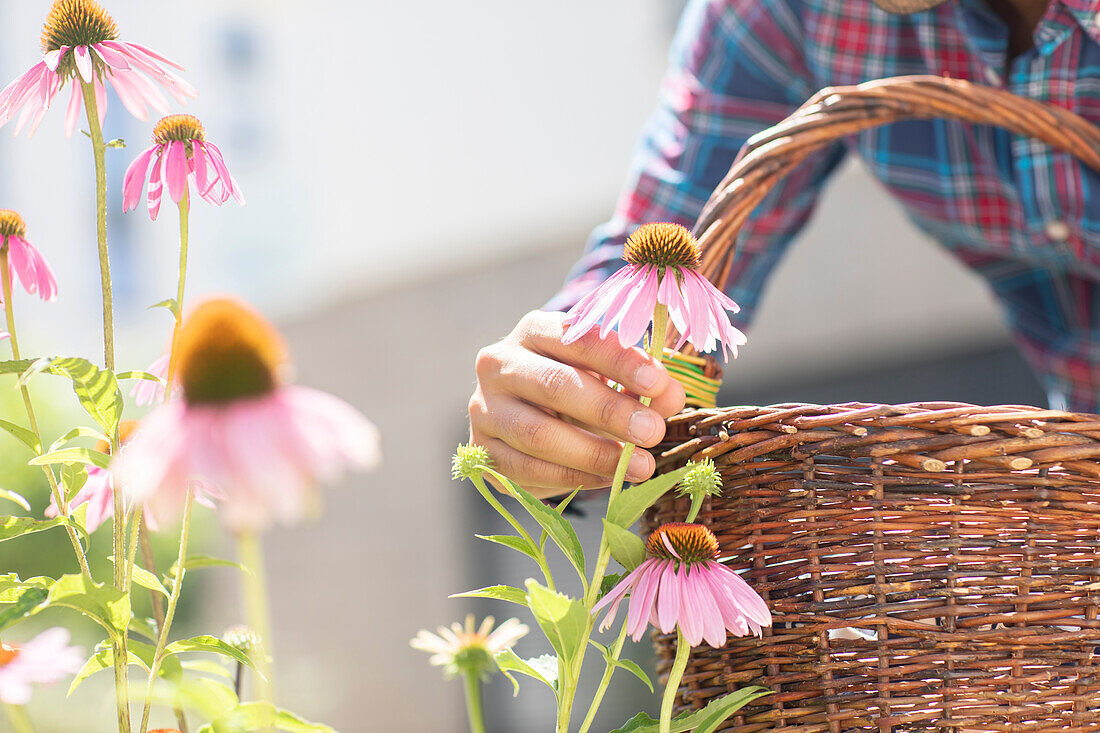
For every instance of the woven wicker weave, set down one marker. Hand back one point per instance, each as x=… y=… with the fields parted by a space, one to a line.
x=929 y=566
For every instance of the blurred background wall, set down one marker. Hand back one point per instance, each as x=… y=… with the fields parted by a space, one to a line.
x=418 y=176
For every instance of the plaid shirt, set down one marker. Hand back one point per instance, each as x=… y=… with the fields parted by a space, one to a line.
x=1017 y=212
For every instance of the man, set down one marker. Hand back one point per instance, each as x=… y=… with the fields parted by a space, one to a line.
x=1020 y=214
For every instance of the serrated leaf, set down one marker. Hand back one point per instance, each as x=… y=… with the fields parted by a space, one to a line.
x=544 y=669
x=144 y=578
x=213 y=645
x=171 y=304
x=15 y=498
x=80 y=432
x=499 y=592
x=559 y=530
x=104 y=604
x=97 y=389
x=27 y=437
x=86 y=456
x=628 y=507
x=519 y=544
x=627 y=548
x=563 y=619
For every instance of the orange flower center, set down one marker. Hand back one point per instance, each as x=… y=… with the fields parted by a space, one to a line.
x=691 y=542
x=662 y=244
x=11 y=224
x=184 y=128
x=227 y=351
x=77 y=23
x=8 y=652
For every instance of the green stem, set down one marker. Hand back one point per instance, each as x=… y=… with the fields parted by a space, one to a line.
x=255 y=594
x=173 y=599
x=20 y=721
x=185 y=208
x=616 y=649
x=683 y=651
x=490 y=497
x=473 y=702
x=55 y=490
x=98 y=151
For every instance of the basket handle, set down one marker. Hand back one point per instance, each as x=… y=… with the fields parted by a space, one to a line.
x=835 y=112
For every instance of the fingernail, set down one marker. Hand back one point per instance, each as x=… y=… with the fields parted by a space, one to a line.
x=643 y=426
x=638 y=467
x=647 y=376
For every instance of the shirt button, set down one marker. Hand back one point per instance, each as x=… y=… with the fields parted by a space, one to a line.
x=1057 y=230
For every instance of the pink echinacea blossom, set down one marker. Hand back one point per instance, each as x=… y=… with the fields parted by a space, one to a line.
x=45 y=659
x=80 y=44
x=681 y=584
x=661 y=258
x=146 y=391
x=181 y=153
x=262 y=444
x=24 y=261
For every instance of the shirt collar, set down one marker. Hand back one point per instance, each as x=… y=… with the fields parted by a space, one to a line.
x=1087 y=13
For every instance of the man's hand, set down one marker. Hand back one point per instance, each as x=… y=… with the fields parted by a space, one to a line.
x=547 y=416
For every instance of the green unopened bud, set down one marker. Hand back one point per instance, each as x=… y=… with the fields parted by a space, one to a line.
x=469 y=461
x=701 y=480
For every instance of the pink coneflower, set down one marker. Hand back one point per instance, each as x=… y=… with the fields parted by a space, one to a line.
x=180 y=153
x=24 y=260
x=661 y=259
x=148 y=392
x=681 y=584
x=81 y=39
x=263 y=444
x=45 y=659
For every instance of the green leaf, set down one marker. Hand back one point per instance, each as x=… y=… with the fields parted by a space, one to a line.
x=16 y=367
x=72 y=455
x=210 y=697
x=193 y=562
x=37 y=367
x=628 y=664
x=519 y=544
x=28 y=437
x=171 y=304
x=73 y=478
x=104 y=604
x=12 y=527
x=288 y=721
x=144 y=578
x=139 y=654
x=247 y=716
x=78 y=433
x=563 y=619
x=138 y=374
x=706 y=720
x=210 y=644
x=144 y=626
x=544 y=669
x=11 y=587
x=563 y=534
x=97 y=389
x=609 y=582
x=628 y=507
x=29 y=602
x=208 y=666
x=499 y=592
x=566 y=501
x=116 y=143
x=15 y=498
x=627 y=548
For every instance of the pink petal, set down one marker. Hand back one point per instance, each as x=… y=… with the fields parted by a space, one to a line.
x=53 y=58
x=128 y=94
x=689 y=615
x=642 y=599
x=152 y=195
x=134 y=179
x=111 y=57
x=668 y=599
x=199 y=166
x=72 y=112
x=589 y=309
x=638 y=313
x=83 y=62
x=175 y=169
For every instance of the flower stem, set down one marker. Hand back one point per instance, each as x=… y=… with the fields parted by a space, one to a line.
x=683 y=650
x=616 y=649
x=55 y=490
x=255 y=596
x=20 y=721
x=473 y=702
x=490 y=497
x=185 y=208
x=98 y=151
x=173 y=599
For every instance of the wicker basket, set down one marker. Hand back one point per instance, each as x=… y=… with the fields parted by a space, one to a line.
x=928 y=566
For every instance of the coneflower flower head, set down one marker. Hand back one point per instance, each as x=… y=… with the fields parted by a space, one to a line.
x=661 y=268
x=24 y=261
x=469 y=461
x=180 y=155
x=469 y=649
x=81 y=43
x=681 y=584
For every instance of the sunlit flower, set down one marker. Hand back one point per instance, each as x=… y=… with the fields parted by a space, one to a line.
x=469 y=461
x=466 y=648
x=146 y=391
x=80 y=43
x=180 y=153
x=682 y=584
x=661 y=259
x=263 y=444
x=99 y=494
x=24 y=260
x=45 y=659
